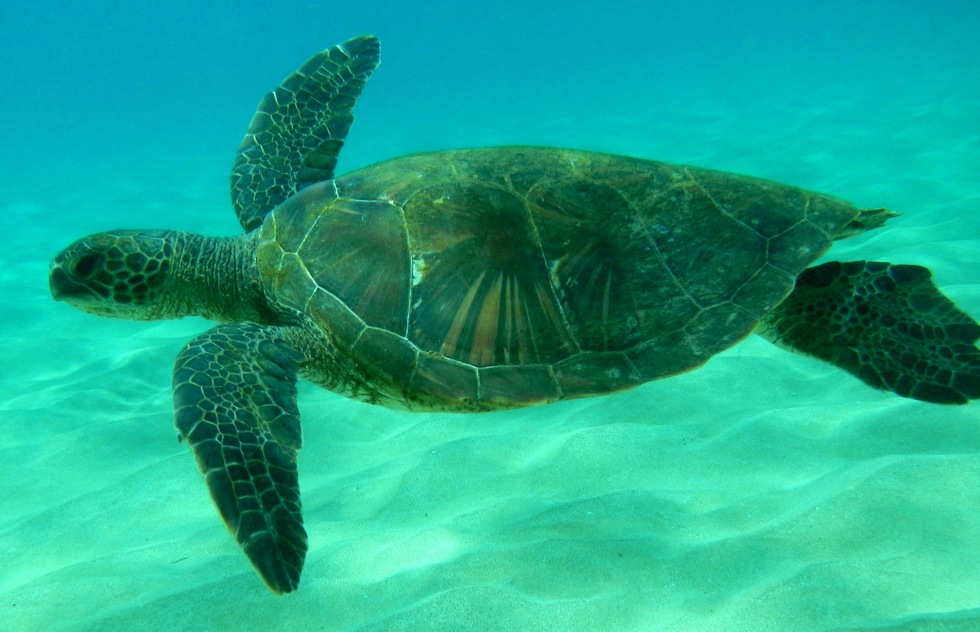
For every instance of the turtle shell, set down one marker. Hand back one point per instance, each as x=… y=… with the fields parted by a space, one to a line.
x=481 y=279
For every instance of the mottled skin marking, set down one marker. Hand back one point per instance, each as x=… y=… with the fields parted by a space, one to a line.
x=482 y=279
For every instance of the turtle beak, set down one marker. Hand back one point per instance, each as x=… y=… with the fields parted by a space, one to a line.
x=59 y=282
x=63 y=287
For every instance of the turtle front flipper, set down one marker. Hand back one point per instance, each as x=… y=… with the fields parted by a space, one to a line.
x=887 y=324
x=297 y=132
x=235 y=403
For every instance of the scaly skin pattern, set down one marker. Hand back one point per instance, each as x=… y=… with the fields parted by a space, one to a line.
x=887 y=324
x=235 y=404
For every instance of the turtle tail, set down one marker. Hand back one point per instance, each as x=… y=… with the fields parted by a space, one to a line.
x=865 y=220
x=887 y=324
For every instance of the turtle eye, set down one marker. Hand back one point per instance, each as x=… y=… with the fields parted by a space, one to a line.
x=86 y=266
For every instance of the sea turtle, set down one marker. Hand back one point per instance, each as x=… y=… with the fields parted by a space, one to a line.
x=482 y=279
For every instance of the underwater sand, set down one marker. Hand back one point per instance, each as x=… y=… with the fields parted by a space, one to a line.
x=764 y=492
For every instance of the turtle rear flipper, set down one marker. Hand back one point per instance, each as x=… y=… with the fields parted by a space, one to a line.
x=887 y=324
x=235 y=403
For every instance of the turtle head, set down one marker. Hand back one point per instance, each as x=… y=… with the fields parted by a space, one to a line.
x=120 y=274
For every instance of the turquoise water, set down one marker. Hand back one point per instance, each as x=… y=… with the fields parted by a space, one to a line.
x=765 y=491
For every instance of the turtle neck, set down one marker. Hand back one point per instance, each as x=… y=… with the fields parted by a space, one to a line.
x=216 y=278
